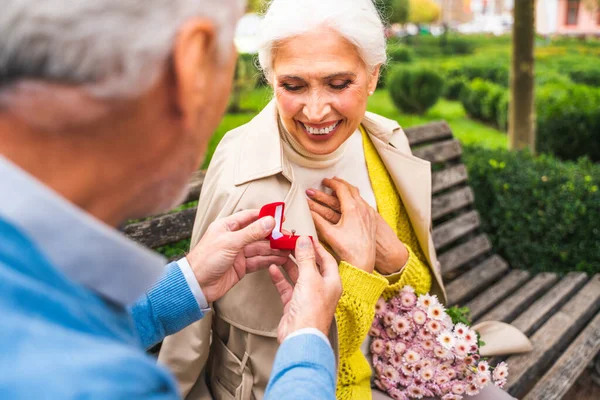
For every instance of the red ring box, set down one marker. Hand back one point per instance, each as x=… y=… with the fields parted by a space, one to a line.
x=278 y=239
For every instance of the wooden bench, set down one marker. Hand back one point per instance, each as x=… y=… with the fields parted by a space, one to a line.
x=559 y=314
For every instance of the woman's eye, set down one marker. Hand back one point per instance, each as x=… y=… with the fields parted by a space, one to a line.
x=340 y=86
x=291 y=88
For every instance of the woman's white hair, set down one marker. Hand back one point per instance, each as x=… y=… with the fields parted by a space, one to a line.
x=355 y=20
x=114 y=48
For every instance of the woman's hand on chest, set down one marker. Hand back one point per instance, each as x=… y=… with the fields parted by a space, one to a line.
x=335 y=224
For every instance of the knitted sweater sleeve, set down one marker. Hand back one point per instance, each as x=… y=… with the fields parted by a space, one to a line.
x=415 y=273
x=354 y=315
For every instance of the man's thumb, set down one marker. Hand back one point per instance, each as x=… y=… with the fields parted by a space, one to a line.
x=305 y=254
x=258 y=230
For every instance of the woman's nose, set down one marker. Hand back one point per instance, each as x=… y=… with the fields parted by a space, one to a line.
x=316 y=110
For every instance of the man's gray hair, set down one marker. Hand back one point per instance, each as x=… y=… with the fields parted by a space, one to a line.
x=115 y=48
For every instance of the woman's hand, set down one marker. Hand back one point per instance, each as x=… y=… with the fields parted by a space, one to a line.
x=353 y=236
x=391 y=253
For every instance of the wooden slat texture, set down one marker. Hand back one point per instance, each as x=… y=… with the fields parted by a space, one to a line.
x=495 y=294
x=517 y=303
x=446 y=178
x=454 y=229
x=551 y=339
x=458 y=256
x=544 y=307
x=195 y=186
x=439 y=152
x=450 y=202
x=476 y=280
x=428 y=132
x=164 y=229
x=563 y=374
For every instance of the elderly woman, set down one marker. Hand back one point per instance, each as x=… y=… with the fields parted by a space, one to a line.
x=344 y=174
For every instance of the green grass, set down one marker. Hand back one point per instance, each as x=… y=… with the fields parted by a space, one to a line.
x=465 y=129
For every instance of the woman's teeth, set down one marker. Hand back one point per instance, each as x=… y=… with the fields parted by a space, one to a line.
x=320 y=131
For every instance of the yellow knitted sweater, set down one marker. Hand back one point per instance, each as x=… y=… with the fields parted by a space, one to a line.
x=361 y=290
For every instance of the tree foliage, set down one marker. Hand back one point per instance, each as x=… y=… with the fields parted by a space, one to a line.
x=423 y=11
x=393 y=11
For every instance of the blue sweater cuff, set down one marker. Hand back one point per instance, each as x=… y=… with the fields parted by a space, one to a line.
x=173 y=302
x=305 y=360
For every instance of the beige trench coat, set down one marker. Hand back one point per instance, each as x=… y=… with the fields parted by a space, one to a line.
x=249 y=170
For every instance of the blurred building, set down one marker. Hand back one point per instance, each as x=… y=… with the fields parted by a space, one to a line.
x=456 y=12
x=567 y=17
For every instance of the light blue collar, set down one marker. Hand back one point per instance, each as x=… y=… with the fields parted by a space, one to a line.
x=85 y=249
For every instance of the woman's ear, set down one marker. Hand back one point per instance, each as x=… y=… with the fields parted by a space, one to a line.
x=374 y=78
x=193 y=65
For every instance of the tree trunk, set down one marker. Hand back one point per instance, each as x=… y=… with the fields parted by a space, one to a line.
x=521 y=125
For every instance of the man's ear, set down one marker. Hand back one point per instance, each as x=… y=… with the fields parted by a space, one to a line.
x=193 y=61
x=374 y=78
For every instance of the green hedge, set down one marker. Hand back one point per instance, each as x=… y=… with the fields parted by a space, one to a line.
x=587 y=74
x=481 y=100
x=541 y=213
x=568 y=121
x=400 y=54
x=454 y=87
x=495 y=71
x=415 y=90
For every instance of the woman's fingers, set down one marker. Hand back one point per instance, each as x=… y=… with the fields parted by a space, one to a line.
x=326 y=212
x=327 y=199
x=343 y=193
x=323 y=226
x=353 y=189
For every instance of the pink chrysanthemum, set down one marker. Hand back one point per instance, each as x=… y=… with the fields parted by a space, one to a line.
x=501 y=371
x=400 y=348
x=382 y=384
x=406 y=370
x=428 y=345
x=397 y=394
x=446 y=339
x=391 y=333
x=451 y=373
x=377 y=346
x=390 y=373
x=460 y=330
x=396 y=360
x=388 y=319
x=483 y=367
x=441 y=352
x=407 y=289
x=414 y=392
x=380 y=307
x=388 y=347
x=427 y=373
x=427 y=300
x=470 y=337
x=458 y=388
x=412 y=357
x=451 y=396
x=461 y=348
x=408 y=300
x=441 y=379
x=401 y=325
x=424 y=334
x=436 y=311
x=500 y=383
x=434 y=326
x=471 y=389
x=483 y=379
x=375 y=331
x=419 y=316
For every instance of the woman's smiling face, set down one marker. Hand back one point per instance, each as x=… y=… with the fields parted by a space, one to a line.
x=321 y=87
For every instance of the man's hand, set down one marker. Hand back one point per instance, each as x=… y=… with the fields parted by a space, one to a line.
x=312 y=301
x=231 y=248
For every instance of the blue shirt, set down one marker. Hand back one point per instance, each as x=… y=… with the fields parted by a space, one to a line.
x=66 y=280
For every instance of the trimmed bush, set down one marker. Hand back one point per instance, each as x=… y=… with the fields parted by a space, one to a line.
x=502 y=111
x=540 y=213
x=415 y=90
x=586 y=74
x=480 y=99
x=568 y=121
x=453 y=87
x=400 y=54
x=492 y=71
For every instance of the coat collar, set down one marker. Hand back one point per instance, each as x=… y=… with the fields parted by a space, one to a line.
x=261 y=153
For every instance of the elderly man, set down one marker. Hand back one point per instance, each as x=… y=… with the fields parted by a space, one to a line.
x=106 y=108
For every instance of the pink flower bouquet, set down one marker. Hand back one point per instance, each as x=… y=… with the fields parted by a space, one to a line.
x=419 y=352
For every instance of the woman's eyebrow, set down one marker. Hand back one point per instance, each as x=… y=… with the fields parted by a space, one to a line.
x=338 y=74
x=291 y=77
